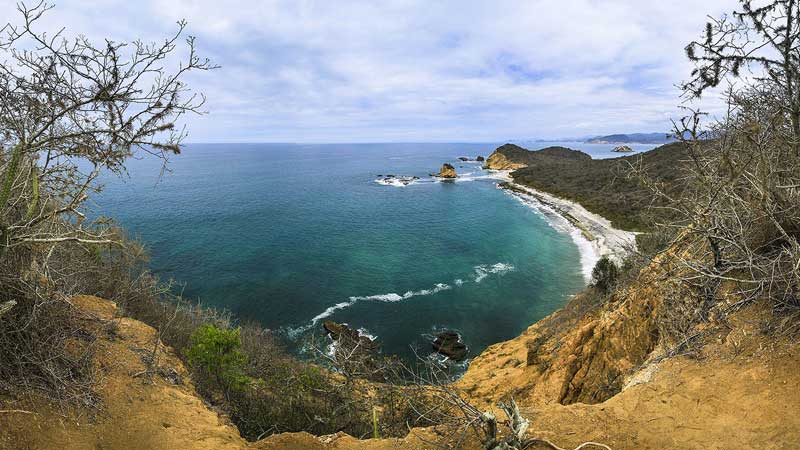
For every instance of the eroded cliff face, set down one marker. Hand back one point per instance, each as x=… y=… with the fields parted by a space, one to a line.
x=585 y=352
x=499 y=161
x=136 y=410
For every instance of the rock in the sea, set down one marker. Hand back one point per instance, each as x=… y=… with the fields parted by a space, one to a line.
x=447 y=171
x=342 y=333
x=479 y=158
x=448 y=343
x=463 y=158
x=623 y=149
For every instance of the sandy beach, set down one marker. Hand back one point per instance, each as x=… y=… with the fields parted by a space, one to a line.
x=604 y=239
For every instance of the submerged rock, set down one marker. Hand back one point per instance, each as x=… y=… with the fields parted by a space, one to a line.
x=447 y=171
x=448 y=343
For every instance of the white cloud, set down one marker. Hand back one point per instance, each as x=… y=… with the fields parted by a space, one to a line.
x=419 y=70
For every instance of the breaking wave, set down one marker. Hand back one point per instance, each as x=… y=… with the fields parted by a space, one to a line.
x=484 y=271
x=588 y=254
x=480 y=273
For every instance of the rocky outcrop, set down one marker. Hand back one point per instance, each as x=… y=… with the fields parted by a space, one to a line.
x=499 y=161
x=623 y=149
x=589 y=350
x=447 y=171
x=148 y=412
x=479 y=158
x=592 y=371
x=342 y=333
x=513 y=157
x=448 y=343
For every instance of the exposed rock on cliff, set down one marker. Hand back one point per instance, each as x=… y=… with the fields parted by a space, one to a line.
x=162 y=411
x=499 y=161
x=447 y=171
x=513 y=157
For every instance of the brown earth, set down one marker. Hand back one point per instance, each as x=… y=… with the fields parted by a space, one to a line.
x=595 y=370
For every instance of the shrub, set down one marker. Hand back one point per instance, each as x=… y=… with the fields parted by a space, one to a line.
x=216 y=352
x=605 y=274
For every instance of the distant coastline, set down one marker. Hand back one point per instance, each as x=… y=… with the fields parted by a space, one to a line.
x=632 y=138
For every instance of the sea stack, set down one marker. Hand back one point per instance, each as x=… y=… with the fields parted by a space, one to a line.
x=447 y=171
x=448 y=343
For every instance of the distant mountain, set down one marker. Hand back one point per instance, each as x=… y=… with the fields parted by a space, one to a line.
x=632 y=138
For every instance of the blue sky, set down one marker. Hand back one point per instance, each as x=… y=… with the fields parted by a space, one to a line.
x=414 y=71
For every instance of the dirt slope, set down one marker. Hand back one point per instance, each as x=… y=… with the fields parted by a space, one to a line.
x=134 y=413
x=590 y=371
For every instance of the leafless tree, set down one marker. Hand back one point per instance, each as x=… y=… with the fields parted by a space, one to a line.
x=763 y=41
x=71 y=109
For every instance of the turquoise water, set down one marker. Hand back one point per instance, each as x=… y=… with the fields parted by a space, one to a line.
x=282 y=234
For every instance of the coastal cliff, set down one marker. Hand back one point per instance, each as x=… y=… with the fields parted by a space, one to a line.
x=513 y=157
x=499 y=161
x=595 y=370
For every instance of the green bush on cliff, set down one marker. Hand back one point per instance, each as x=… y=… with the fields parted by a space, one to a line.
x=217 y=353
x=605 y=274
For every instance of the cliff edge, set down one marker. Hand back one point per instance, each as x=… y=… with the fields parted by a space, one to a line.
x=600 y=370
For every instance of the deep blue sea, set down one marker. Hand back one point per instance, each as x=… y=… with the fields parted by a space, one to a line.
x=290 y=235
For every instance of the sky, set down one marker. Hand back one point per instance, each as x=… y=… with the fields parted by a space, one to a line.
x=418 y=70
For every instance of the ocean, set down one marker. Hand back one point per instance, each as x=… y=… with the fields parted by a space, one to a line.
x=291 y=235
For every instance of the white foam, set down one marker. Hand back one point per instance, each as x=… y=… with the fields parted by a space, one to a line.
x=328 y=312
x=589 y=254
x=390 y=297
x=401 y=181
x=483 y=271
x=364 y=332
x=439 y=287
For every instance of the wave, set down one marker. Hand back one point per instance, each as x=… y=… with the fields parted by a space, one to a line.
x=480 y=271
x=483 y=271
x=400 y=181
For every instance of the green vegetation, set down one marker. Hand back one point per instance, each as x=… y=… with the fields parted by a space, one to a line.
x=604 y=186
x=731 y=190
x=605 y=275
x=217 y=352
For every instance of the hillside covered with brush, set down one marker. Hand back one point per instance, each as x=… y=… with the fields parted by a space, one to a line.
x=612 y=188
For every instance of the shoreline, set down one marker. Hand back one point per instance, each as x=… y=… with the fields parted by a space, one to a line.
x=602 y=237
